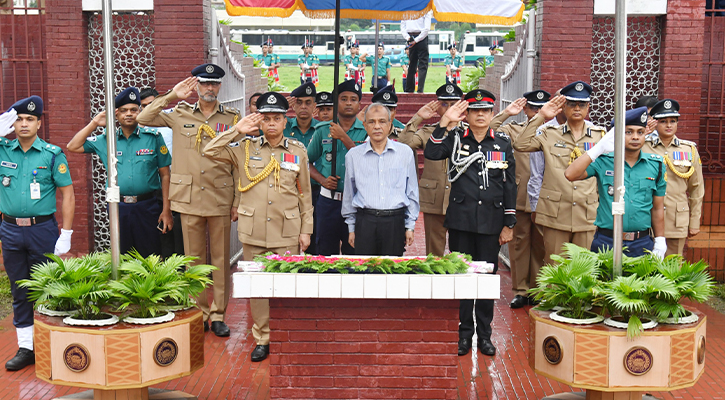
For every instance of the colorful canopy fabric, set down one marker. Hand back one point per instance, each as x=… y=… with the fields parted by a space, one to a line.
x=499 y=12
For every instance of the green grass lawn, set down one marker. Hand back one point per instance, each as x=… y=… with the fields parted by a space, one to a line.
x=289 y=76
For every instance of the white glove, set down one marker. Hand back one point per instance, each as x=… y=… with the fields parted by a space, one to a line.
x=63 y=244
x=606 y=145
x=660 y=247
x=6 y=122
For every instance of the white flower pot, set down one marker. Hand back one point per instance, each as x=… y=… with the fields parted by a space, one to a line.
x=149 y=321
x=90 y=322
x=689 y=318
x=623 y=325
x=588 y=321
x=52 y=313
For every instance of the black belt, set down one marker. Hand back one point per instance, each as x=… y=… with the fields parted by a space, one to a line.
x=382 y=213
x=629 y=236
x=136 y=199
x=29 y=221
x=411 y=34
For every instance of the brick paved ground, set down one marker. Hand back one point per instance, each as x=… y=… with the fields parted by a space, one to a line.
x=229 y=374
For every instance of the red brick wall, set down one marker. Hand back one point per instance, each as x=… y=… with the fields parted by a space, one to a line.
x=340 y=348
x=179 y=41
x=681 y=62
x=566 y=42
x=68 y=105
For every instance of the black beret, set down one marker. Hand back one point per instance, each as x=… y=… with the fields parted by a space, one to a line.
x=272 y=102
x=307 y=89
x=128 y=96
x=350 y=86
x=208 y=73
x=32 y=105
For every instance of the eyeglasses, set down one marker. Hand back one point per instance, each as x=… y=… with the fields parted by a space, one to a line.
x=575 y=104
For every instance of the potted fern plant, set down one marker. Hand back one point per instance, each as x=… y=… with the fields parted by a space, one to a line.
x=148 y=285
x=78 y=284
x=692 y=282
x=569 y=286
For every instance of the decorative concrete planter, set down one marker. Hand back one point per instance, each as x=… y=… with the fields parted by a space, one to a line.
x=150 y=321
x=74 y=320
x=651 y=323
x=118 y=360
x=584 y=321
x=364 y=336
x=52 y=313
x=602 y=360
x=689 y=318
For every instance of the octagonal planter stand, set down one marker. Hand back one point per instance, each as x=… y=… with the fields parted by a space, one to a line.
x=609 y=366
x=119 y=361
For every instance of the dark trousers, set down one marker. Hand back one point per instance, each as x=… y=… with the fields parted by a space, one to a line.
x=405 y=83
x=137 y=223
x=382 y=82
x=312 y=249
x=633 y=248
x=23 y=247
x=480 y=248
x=331 y=228
x=418 y=62
x=172 y=242
x=380 y=235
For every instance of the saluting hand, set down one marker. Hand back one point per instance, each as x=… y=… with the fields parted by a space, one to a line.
x=429 y=110
x=651 y=126
x=185 y=88
x=553 y=107
x=516 y=107
x=454 y=114
x=249 y=125
x=100 y=119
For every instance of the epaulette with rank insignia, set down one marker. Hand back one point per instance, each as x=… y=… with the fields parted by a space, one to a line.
x=150 y=131
x=655 y=157
x=251 y=138
x=5 y=142
x=233 y=144
x=53 y=148
x=184 y=104
x=297 y=142
x=503 y=136
x=688 y=142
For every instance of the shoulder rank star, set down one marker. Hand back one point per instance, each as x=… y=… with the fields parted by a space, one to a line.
x=496 y=147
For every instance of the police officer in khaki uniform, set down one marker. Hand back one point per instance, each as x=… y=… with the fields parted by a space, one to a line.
x=566 y=210
x=433 y=185
x=275 y=211
x=685 y=186
x=202 y=189
x=527 y=252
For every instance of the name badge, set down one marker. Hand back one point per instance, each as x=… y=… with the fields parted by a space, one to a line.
x=609 y=173
x=326 y=141
x=35 y=191
x=256 y=158
x=188 y=125
x=8 y=164
x=119 y=153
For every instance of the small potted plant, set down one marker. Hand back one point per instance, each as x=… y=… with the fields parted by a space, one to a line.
x=148 y=285
x=569 y=286
x=76 y=287
x=692 y=282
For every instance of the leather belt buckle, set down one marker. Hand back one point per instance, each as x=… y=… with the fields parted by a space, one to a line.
x=23 y=221
x=130 y=199
x=629 y=235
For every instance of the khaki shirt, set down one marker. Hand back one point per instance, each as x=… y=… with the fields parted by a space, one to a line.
x=433 y=186
x=683 y=201
x=523 y=170
x=563 y=205
x=199 y=185
x=271 y=213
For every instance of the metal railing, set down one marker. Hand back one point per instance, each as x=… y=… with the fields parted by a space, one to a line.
x=518 y=72
x=233 y=94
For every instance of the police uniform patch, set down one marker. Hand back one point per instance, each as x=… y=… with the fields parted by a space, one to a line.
x=62 y=168
x=540 y=95
x=164 y=150
x=308 y=90
x=91 y=139
x=328 y=157
x=386 y=96
x=323 y=96
x=668 y=104
x=479 y=96
x=271 y=100
x=579 y=87
x=209 y=69
x=132 y=96
x=31 y=106
x=6 y=181
x=449 y=89
x=643 y=118
x=610 y=190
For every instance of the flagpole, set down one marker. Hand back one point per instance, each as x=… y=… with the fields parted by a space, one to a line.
x=377 y=43
x=113 y=194
x=620 y=88
x=335 y=82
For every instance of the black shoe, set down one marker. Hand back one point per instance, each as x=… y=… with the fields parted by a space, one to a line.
x=486 y=347
x=463 y=346
x=260 y=352
x=533 y=301
x=206 y=326
x=22 y=359
x=519 y=301
x=220 y=328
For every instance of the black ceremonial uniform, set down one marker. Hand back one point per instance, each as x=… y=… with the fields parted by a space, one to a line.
x=482 y=202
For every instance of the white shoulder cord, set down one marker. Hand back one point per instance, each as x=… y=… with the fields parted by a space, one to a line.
x=461 y=163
